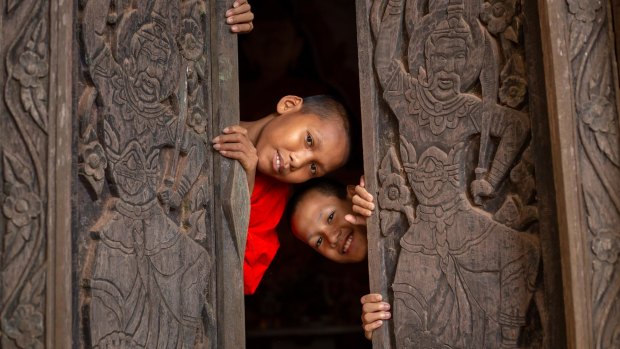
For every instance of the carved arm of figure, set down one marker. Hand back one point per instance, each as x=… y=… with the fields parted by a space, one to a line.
x=388 y=39
x=93 y=26
x=512 y=127
x=489 y=81
x=194 y=150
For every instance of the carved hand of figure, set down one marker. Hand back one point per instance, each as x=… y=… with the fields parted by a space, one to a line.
x=240 y=17
x=235 y=144
x=169 y=197
x=363 y=203
x=374 y=311
x=481 y=188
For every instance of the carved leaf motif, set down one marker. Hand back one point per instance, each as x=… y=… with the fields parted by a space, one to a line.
x=389 y=164
x=407 y=151
x=197 y=226
x=33 y=100
x=30 y=69
x=14 y=242
x=579 y=33
x=389 y=222
x=16 y=171
x=32 y=293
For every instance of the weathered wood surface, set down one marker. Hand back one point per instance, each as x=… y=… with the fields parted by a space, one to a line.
x=458 y=240
x=113 y=231
x=152 y=251
x=35 y=145
x=582 y=89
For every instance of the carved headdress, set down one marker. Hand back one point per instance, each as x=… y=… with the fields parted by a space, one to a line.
x=154 y=22
x=449 y=21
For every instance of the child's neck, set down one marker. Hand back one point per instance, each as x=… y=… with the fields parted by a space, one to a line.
x=255 y=128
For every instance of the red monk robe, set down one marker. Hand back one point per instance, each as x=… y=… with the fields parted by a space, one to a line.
x=267 y=206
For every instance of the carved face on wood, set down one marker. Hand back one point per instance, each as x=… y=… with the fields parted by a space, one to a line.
x=446 y=51
x=151 y=48
x=447 y=59
x=318 y=221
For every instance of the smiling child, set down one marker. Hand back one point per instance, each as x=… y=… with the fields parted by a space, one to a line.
x=304 y=138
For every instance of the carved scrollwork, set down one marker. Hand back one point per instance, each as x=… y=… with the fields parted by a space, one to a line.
x=24 y=163
x=598 y=129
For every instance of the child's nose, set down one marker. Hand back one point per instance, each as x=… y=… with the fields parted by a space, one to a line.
x=333 y=237
x=300 y=158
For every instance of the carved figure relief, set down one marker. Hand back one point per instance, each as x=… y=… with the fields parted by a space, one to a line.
x=142 y=152
x=468 y=263
x=23 y=235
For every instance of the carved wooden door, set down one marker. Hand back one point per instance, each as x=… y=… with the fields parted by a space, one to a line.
x=464 y=243
x=116 y=235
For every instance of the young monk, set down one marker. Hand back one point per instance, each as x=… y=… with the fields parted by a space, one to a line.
x=331 y=218
x=302 y=139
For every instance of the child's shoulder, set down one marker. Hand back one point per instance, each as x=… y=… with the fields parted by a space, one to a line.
x=267 y=188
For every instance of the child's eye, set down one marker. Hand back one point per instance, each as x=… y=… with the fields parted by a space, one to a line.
x=309 y=139
x=313 y=168
x=330 y=218
x=319 y=241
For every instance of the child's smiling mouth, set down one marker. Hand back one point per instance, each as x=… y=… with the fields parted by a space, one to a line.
x=277 y=162
x=347 y=243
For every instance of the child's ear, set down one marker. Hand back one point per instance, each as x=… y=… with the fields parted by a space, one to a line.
x=289 y=104
x=350 y=191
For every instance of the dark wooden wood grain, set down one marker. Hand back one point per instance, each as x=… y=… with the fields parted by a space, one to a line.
x=231 y=197
x=159 y=258
x=371 y=135
x=33 y=119
x=454 y=106
x=582 y=90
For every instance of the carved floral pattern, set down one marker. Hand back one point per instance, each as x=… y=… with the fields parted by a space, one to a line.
x=95 y=161
x=514 y=86
x=31 y=70
x=498 y=14
x=606 y=247
x=592 y=72
x=598 y=114
x=25 y=327
x=584 y=10
x=24 y=158
x=197 y=120
x=21 y=206
x=191 y=40
x=394 y=193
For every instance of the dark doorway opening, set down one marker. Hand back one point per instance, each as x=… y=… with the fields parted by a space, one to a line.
x=304 y=47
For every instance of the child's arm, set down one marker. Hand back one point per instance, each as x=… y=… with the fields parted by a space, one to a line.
x=362 y=204
x=234 y=143
x=374 y=311
x=240 y=17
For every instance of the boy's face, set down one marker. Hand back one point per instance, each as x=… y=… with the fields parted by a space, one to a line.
x=319 y=222
x=295 y=147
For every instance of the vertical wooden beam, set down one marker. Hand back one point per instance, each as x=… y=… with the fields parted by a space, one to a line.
x=565 y=166
x=369 y=109
x=231 y=197
x=59 y=252
x=582 y=89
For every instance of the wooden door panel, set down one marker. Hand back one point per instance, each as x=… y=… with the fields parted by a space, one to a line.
x=114 y=232
x=459 y=239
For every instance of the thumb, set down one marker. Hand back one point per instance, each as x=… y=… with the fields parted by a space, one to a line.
x=362 y=182
x=355 y=220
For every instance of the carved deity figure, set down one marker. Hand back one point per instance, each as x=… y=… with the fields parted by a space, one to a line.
x=147 y=279
x=462 y=280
